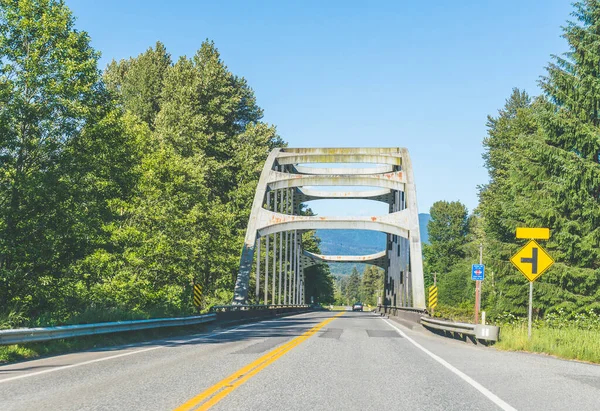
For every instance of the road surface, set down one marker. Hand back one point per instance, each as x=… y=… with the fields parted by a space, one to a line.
x=312 y=361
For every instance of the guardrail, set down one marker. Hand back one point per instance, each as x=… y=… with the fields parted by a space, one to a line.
x=230 y=308
x=479 y=331
x=247 y=312
x=392 y=309
x=407 y=313
x=218 y=313
x=25 y=335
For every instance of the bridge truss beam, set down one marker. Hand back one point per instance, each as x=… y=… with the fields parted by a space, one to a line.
x=275 y=217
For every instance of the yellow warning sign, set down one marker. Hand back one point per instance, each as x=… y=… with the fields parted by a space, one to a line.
x=532 y=260
x=433 y=294
x=197 y=295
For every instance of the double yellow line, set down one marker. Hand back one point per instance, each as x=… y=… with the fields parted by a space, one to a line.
x=220 y=390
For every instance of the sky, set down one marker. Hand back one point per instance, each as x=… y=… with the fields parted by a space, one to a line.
x=420 y=75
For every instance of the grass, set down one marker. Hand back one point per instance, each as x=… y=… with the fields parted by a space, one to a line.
x=568 y=335
x=568 y=342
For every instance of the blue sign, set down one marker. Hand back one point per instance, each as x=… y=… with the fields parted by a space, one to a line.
x=478 y=272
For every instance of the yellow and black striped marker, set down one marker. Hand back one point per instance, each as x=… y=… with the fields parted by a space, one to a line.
x=433 y=292
x=197 y=295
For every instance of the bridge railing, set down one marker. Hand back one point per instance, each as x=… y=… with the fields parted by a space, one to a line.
x=247 y=312
x=235 y=308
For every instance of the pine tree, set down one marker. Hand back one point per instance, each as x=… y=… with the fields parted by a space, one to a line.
x=447 y=235
x=571 y=127
x=372 y=284
x=353 y=286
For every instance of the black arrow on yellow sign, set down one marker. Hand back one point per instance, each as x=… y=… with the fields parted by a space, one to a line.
x=533 y=260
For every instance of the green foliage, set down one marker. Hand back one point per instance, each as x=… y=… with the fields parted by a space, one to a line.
x=543 y=158
x=447 y=233
x=452 y=250
x=118 y=192
x=65 y=156
x=372 y=284
x=353 y=287
x=139 y=82
x=565 y=342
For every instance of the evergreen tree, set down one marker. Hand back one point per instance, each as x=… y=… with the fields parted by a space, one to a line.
x=192 y=203
x=447 y=235
x=353 y=287
x=372 y=284
x=571 y=128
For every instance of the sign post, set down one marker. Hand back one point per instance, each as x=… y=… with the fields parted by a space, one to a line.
x=478 y=275
x=532 y=261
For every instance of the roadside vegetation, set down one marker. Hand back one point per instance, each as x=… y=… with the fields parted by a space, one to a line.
x=542 y=154
x=120 y=188
x=359 y=287
x=566 y=335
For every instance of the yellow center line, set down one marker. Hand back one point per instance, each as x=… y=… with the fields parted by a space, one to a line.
x=220 y=390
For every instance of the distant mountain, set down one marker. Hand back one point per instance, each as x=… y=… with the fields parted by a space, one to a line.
x=359 y=242
x=351 y=242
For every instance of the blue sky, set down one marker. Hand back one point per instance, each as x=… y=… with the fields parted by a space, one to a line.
x=421 y=75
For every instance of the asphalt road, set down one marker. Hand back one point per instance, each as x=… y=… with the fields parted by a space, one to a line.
x=356 y=361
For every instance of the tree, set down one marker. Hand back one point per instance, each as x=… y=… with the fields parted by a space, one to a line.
x=447 y=235
x=65 y=157
x=192 y=203
x=139 y=82
x=571 y=128
x=372 y=284
x=353 y=287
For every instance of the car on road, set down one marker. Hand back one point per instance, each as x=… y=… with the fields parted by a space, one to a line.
x=357 y=307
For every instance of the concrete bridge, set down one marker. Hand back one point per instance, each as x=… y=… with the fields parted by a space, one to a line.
x=273 y=257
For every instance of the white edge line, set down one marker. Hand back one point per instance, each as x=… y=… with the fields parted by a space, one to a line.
x=490 y=395
x=64 y=367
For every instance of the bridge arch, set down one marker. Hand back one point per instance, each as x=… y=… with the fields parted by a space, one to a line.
x=281 y=190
